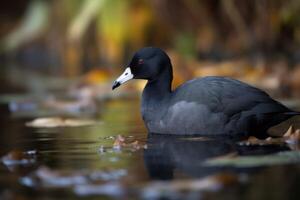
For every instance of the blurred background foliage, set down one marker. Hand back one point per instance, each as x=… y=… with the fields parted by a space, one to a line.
x=257 y=41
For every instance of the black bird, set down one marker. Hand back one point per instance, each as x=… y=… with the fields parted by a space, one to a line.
x=202 y=106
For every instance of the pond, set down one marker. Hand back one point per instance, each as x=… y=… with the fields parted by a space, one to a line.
x=116 y=159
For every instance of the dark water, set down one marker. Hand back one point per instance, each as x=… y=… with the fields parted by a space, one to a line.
x=81 y=163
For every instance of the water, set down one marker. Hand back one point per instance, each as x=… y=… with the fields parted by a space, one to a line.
x=83 y=163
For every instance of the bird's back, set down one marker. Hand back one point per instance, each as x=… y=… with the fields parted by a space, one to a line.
x=227 y=95
x=217 y=104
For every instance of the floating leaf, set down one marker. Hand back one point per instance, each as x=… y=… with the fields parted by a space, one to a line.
x=287 y=157
x=120 y=142
x=268 y=141
x=51 y=122
x=17 y=157
x=291 y=138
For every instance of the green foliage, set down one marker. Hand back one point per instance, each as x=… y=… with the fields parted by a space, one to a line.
x=185 y=43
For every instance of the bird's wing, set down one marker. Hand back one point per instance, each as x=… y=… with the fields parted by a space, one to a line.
x=230 y=96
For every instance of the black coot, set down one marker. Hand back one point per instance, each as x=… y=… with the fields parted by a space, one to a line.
x=203 y=106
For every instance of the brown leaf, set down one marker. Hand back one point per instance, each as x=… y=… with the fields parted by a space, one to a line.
x=289 y=132
x=268 y=141
x=120 y=142
x=17 y=157
x=293 y=139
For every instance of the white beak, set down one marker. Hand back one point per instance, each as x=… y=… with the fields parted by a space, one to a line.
x=126 y=76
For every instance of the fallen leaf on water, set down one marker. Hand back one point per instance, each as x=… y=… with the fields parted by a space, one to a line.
x=268 y=141
x=291 y=138
x=295 y=137
x=289 y=132
x=17 y=157
x=120 y=142
x=280 y=158
x=51 y=122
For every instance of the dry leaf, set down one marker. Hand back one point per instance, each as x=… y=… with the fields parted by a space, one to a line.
x=120 y=142
x=289 y=132
x=268 y=141
x=292 y=138
x=51 y=122
x=17 y=157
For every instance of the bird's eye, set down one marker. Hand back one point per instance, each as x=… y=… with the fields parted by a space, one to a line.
x=141 y=61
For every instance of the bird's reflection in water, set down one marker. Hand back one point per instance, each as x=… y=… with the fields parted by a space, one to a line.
x=186 y=155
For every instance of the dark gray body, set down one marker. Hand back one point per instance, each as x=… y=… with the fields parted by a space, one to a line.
x=210 y=106
x=204 y=106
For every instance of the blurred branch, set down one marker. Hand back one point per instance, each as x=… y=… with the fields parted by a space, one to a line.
x=237 y=20
x=33 y=25
x=87 y=13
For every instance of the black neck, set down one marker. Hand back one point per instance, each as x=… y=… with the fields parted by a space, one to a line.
x=161 y=86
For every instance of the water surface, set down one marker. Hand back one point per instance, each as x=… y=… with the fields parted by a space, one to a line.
x=82 y=163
